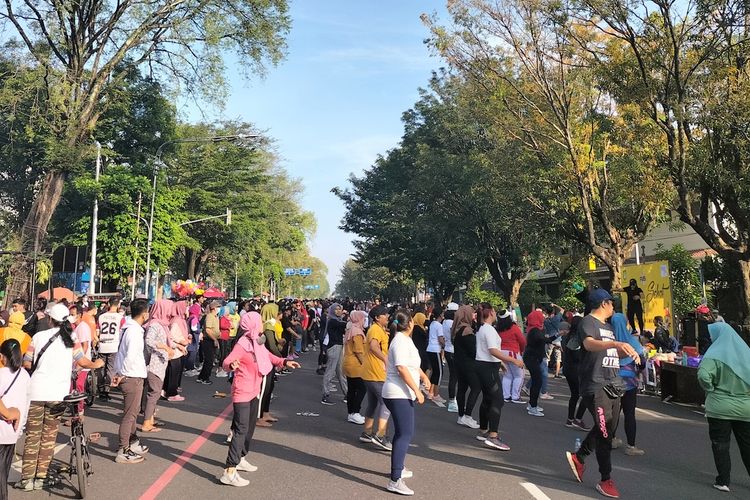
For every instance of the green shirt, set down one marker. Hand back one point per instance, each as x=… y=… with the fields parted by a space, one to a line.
x=727 y=395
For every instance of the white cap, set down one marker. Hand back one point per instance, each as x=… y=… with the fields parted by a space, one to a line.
x=452 y=306
x=58 y=312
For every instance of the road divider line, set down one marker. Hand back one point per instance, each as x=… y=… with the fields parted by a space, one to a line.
x=163 y=481
x=534 y=491
x=663 y=416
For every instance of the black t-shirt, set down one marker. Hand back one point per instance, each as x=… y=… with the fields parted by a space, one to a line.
x=465 y=347
x=601 y=368
x=635 y=296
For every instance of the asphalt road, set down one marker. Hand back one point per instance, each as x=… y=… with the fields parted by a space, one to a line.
x=320 y=457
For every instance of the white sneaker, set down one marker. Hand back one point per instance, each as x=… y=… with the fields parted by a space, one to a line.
x=467 y=421
x=356 y=418
x=191 y=373
x=438 y=399
x=406 y=474
x=138 y=449
x=221 y=374
x=452 y=406
x=233 y=479
x=245 y=466
x=474 y=423
x=529 y=407
x=536 y=412
x=546 y=395
x=399 y=487
x=230 y=436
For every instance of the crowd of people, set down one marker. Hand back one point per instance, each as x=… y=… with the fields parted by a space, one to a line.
x=383 y=359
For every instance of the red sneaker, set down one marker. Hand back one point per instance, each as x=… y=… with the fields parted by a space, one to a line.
x=608 y=489
x=575 y=465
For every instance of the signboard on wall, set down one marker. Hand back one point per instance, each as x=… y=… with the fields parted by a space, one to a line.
x=654 y=279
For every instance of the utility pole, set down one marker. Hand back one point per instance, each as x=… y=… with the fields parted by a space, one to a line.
x=95 y=223
x=135 y=257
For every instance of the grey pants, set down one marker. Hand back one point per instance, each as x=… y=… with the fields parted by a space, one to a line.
x=153 y=392
x=333 y=370
x=132 y=390
x=375 y=406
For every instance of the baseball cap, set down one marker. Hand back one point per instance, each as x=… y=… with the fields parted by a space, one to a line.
x=58 y=312
x=452 y=306
x=598 y=296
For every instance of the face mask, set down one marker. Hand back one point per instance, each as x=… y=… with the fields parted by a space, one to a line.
x=261 y=339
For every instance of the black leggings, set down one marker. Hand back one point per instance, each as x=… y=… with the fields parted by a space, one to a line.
x=534 y=365
x=467 y=379
x=437 y=368
x=355 y=393
x=6 y=461
x=633 y=313
x=575 y=395
x=173 y=377
x=452 y=375
x=267 y=390
x=627 y=403
x=492 y=395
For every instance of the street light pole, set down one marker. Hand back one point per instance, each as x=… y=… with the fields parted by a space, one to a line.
x=95 y=223
x=219 y=138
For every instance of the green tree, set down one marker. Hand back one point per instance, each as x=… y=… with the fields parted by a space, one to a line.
x=86 y=49
x=687 y=289
x=360 y=282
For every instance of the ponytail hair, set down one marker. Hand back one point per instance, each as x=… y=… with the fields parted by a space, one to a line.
x=484 y=312
x=66 y=332
x=11 y=349
x=401 y=321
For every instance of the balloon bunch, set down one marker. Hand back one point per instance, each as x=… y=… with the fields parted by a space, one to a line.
x=187 y=288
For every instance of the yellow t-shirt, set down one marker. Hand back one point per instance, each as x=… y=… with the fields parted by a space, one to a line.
x=352 y=367
x=235 y=319
x=373 y=368
x=278 y=329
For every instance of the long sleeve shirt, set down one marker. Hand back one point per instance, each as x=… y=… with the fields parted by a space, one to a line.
x=727 y=395
x=248 y=377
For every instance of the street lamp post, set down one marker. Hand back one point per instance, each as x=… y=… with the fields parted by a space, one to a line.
x=219 y=138
x=95 y=222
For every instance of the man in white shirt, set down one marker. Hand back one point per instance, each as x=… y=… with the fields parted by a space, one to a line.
x=110 y=324
x=130 y=372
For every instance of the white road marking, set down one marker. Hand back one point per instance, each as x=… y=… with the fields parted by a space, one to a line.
x=535 y=491
x=664 y=417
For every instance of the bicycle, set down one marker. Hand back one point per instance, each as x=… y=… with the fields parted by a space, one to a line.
x=92 y=382
x=80 y=462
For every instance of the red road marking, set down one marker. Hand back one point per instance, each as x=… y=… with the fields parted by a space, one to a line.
x=169 y=474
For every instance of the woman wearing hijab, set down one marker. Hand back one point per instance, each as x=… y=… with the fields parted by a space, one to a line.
x=158 y=354
x=271 y=318
x=178 y=341
x=335 y=328
x=252 y=365
x=234 y=318
x=354 y=357
x=465 y=347
x=724 y=374
x=532 y=357
x=629 y=374
x=194 y=332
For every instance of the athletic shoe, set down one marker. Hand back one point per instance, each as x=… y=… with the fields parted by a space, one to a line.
x=233 y=479
x=438 y=399
x=508 y=400
x=569 y=423
x=633 y=451
x=221 y=374
x=327 y=401
x=535 y=412
x=204 y=382
x=494 y=442
x=382 y=442
x=137 y=448
x=406 y=474
x=28 y=484
x=720 y=487
x=576 y=466
x=356 y=418
x=175 y=399
x=518 y=401
x=546 y=395
x=616 y=443
x=128 y=457
x=245 y=466
x=608 y=489
x=474 y=422
x=320 y=371
x=333 y=389
x=482 y=436
x=400 y=487
x=578 y=424
x=467 y=421
x=191 y=373
x=529 y=407
x=229 y=437
x=365 y=438
x=452 y=406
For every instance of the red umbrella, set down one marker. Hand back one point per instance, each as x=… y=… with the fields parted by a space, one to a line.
x=59 y=293
x=213 y=293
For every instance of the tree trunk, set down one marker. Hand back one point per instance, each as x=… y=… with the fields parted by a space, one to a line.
x=745 y=301
x=33 y=235
x=191 y=258
x=515 y=291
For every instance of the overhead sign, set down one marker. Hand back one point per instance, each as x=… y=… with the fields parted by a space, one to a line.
x=305 y=271
x=290 y=271
x=302 y=271
x=312 y=287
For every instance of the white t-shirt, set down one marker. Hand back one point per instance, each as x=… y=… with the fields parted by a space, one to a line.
x=447 y=325
x=130 y=361
x=83 y=333
x=401 y=352
x=436 y=331
x=17 y=397
x=487 y=338
x=52 y=375
x=110 y=324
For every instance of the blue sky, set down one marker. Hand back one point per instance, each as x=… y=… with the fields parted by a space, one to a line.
x=353 y=67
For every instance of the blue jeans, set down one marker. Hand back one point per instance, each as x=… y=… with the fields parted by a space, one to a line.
x=402 y=413
x=545 y=376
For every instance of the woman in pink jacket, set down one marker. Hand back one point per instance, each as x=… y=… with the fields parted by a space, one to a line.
x=251 y=363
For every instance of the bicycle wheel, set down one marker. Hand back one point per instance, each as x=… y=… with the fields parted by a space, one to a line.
x=80 y=465
x=90 y=388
